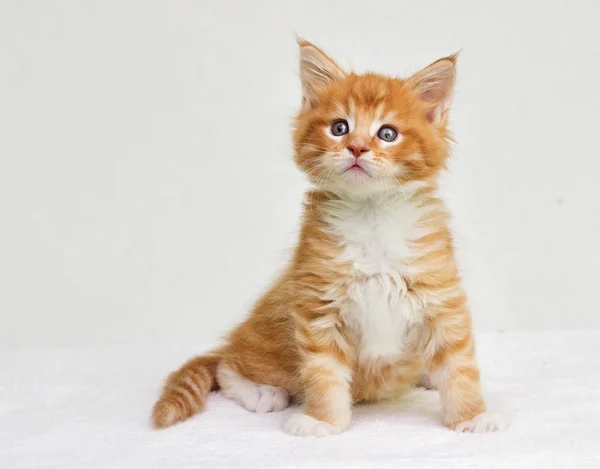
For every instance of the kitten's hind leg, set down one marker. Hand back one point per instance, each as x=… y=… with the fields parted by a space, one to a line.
x=252 y=396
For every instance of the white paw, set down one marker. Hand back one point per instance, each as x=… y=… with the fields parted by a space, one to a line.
x=250 y=395
x=427 y=381
x=260 y=398
x=272 y=399
x=304 y=425
x=483 y=423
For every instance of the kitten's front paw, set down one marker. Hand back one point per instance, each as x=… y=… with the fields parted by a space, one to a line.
x=304 y=425
x=483 y=423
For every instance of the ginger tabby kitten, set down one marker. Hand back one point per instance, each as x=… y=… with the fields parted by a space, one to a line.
x=371 y=302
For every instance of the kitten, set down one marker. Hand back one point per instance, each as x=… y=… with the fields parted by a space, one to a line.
x=371 y=302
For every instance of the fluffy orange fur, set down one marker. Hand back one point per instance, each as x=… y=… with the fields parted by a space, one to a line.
x=371 y=302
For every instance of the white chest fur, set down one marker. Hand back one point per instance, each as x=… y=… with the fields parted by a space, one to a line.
x=376 y=235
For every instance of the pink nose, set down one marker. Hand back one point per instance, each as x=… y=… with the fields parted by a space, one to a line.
x=357 y=149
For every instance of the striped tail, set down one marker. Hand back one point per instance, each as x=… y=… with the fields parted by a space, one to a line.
x=185 y=391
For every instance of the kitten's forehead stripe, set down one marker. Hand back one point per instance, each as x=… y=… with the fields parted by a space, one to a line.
x=351 y=107
x=379 y=111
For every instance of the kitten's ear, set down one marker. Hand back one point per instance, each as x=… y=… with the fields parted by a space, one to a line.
x=317 y=71
x=434 y=86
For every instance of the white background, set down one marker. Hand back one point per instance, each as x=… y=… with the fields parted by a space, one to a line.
x=147 y=192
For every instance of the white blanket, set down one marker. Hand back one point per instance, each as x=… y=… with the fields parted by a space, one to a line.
x=89 y=408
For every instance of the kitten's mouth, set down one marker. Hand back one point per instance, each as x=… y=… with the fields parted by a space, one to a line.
x=356 y=170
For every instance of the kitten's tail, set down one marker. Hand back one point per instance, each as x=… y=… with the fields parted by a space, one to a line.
x=185 y=391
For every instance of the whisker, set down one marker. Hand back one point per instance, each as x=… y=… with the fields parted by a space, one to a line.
x=393 y=178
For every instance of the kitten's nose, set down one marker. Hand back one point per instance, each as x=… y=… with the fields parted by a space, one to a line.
x=357 y=149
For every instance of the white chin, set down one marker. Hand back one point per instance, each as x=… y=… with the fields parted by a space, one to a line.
x=358 y=183
x=356 y=175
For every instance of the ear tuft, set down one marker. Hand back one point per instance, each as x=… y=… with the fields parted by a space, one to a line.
x=434 y=86
x=317 y=71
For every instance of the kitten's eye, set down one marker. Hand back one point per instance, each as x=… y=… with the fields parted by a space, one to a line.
x=387 y=134
x=339 y=128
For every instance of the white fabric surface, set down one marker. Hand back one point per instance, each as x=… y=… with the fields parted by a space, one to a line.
x=89 y=408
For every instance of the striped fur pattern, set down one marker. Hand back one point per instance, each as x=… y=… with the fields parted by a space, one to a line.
x=371 y=302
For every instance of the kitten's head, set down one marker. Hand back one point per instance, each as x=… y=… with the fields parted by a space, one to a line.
x=361 y=134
